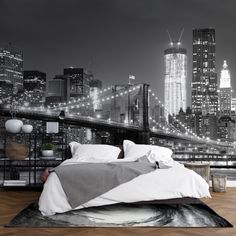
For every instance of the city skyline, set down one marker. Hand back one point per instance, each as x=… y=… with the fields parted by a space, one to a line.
x=118 y=37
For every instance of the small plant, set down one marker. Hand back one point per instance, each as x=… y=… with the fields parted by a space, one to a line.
x=47 y=146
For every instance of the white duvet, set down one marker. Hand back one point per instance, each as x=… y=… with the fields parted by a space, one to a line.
x=175 y=182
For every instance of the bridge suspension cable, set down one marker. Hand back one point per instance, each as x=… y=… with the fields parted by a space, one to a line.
x=86 y=104
x=79 y=100
x=187 y=131
x=207 y=140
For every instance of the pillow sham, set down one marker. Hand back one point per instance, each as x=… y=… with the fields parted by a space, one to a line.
x=158 y=153
x=96 y=152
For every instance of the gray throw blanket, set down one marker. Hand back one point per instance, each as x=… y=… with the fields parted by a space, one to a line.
x=84 y=182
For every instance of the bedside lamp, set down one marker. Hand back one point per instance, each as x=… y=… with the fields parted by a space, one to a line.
x=62 y=115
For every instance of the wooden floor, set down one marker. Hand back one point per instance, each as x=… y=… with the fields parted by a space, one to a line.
x=11 y=202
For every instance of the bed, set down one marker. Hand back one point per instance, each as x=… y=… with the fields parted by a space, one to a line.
x=146 y=173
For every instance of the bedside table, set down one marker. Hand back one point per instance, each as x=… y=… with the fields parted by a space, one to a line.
x=202 y=169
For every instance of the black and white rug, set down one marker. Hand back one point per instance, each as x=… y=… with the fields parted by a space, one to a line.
x=125 y=215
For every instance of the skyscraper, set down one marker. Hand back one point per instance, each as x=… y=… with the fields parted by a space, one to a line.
x=79 y=81
x=175 y=78
x=233 y=104
x=58 y=90
x=35 y=87
x=11 y=66
x=225 y=91
x=226 y=122
x=95 y=88
x=6 y=89
x=204 y=81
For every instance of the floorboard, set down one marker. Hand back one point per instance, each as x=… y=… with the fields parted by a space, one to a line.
x=11 y=202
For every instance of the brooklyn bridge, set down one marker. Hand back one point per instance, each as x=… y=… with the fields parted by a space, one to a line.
x=125 y=111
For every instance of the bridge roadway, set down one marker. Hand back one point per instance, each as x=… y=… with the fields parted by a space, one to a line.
x=83 y=121
x=216 y=159
x=105 y=125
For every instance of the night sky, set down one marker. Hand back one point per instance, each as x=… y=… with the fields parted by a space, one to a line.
x=114 y=38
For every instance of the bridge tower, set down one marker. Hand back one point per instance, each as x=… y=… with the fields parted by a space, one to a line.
x=139 y=136
x=145 y=134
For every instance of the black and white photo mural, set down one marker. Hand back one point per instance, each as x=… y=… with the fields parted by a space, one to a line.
x=111 y=109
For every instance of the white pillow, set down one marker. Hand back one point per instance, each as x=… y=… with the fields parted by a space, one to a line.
x=158 y=153
x=93 y=152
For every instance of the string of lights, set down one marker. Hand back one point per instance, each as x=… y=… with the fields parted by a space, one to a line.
x=90 y=97
x=187 y=131
x=79 y=100
x=119 y=93
x=103 y=98
x=163 y=127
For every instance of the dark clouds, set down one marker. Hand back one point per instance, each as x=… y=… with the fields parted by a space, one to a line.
x=114 y=38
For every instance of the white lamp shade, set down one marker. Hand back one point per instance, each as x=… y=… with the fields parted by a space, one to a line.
x=27 y=128
x=13 y=125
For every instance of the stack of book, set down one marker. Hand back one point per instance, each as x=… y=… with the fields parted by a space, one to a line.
x=14 y=183
x=48 y=157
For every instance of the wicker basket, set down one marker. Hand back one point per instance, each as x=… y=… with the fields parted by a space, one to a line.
x=17 y=151
x=219 y=183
